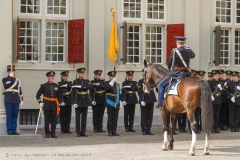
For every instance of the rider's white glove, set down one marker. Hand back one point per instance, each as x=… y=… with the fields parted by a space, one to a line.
x=93 y=103
x=143 y=103
x=233 y=99
x=212 y=98
x=124 y=103
x=219 y=86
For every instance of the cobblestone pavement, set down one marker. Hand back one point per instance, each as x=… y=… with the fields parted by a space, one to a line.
x=128 y=146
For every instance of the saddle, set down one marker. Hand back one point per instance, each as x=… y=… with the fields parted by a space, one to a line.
x=171 y=88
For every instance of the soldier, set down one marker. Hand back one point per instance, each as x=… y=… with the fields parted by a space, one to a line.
x=228 y=79
x=98 y=99
x=129 y=100
x=112 y=90
x=177 y=70
x=51 y=99
x=81 y=101
x=65 y=111
x=12 y=99
x=146 y=101
x=210 y=76
x=232 y=90
x=216 y=89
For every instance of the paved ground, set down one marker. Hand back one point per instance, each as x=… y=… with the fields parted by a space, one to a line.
x=128 y=146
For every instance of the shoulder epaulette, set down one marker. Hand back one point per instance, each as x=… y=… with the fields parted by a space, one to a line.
x=44 y=82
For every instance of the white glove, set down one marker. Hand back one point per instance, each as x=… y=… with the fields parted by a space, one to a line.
x=225 y=83
x=127 y=87
x=219 y=86
x=62 y=104
x=96 y=84
x=233 y=99
x=65 y=85
x=77 y=86
x=41 y=104
x=212 y=98
x=11 y=74
x=21 y=103
x=143 y=103
x=93 y=103
x=124 y=103
x=112 y=81
x=238 y=88
x=75 y=105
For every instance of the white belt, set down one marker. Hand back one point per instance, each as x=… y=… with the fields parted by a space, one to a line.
x=12 y=90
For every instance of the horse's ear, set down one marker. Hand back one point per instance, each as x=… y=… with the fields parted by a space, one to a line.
x=145 y=63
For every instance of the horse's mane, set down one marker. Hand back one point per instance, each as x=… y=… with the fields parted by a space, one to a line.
x=160 y=67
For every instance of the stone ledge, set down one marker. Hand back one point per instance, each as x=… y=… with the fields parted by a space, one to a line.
x=23 y=136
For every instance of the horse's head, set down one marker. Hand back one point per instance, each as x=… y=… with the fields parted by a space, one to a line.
x=153 y=73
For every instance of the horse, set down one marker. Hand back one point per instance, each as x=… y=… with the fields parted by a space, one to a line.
x=192 y=92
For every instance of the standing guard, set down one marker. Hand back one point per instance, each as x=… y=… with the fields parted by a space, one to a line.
x=216 y=89
x=146 y=101
x=210 y=76
x=98 y=99
x=51 y=100
x=12 y=99
x=129 y=100
x=112 y=90
x=81 y=101
x=233 y=91
x=65 y=111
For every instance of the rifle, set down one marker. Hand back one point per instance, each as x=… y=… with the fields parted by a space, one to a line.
x=94 y=88
x=236 y=93
x=216 y=92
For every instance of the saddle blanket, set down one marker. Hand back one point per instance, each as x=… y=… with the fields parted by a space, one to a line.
x=173 y=88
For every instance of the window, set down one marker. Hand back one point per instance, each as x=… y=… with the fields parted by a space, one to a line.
x=55 y=41
x=132 y=8
x=155 y=9
x=238 y=11
x=56 y=7
x=28 y=117
x=223 y=11
x=237 y=48
x=133 y=41
x=225 y=47
x=154 y=44
x=30 y=6
x=29 y=40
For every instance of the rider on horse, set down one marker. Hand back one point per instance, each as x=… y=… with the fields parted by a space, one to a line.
x=178 y=67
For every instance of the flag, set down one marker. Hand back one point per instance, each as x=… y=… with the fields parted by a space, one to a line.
x=113 y=42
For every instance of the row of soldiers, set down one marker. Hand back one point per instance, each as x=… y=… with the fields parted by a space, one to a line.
x=98 y=93
x=225 y=88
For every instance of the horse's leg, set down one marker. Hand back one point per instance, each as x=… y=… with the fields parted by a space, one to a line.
x=163 y=114
x=193 y=123
x=207 y=145
x=172 y=121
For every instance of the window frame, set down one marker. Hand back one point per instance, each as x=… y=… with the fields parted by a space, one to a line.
x=158 y=20
x=235 y=20
x=128 y=18
x=231 y=15
x=229 y=50
x=238 y=29
x=30 y=14
x=57 y=15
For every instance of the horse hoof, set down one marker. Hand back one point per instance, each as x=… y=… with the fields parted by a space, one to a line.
x=170 y=148
x=205 y=153
x=164 y=149
x=191 y=153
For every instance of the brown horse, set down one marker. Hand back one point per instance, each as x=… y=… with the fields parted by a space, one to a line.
x=193 y=92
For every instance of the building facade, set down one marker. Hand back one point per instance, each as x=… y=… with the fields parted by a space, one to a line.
x=59 y=35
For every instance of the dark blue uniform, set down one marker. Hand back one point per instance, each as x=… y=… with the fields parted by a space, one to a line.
x=97 y=94
x=65 y=111
x=12 y=99
x=147 y=110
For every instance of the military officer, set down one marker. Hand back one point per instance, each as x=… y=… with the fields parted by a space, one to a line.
x=233 y=91
x=81 y=101
x=65 y=111
x=216 y=89
x=210 y=76
x=146 y=101
x=12 y=99
x=129 y=100
x=98 y=100
x=112 y=90
x=177 y=70
x=51 y=100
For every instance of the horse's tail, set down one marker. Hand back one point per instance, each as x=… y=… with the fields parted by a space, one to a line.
x=206 y=106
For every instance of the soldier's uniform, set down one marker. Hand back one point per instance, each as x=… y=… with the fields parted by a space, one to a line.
x=129 y=97
x=81 y=97
x=98 y=99
x=65 y=111
x=146 y=101
x=209 y=76
x=52 y=100
x=216 y=100
x=112 y=90
x=12 y=99
x=232 y=90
